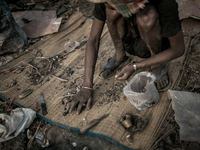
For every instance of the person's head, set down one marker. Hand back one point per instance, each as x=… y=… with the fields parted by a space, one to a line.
x=125 y=7
x=104 y=1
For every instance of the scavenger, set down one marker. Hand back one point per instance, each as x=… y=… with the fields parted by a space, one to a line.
x=148 y=29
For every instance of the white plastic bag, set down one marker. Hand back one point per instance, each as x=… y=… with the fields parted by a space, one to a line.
x=71 y=45
x=141 y=90
x=187 y=114
x=19 y=119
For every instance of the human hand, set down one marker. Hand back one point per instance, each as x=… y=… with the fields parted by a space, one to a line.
x=83 y=97
x=125 y=72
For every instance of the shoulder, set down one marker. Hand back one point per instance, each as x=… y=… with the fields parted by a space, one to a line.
x=99 y=11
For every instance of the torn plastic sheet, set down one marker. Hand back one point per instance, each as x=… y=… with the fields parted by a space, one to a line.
x=187 y=114
x=37 y=23
x=19 y=119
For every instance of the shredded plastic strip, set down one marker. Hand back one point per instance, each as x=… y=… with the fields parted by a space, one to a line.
x=72 y=128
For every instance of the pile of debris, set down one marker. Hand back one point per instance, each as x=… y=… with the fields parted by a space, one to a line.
x=189 y=13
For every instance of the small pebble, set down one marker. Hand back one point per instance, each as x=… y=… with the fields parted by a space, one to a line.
x=65 y=113
x=74 y=144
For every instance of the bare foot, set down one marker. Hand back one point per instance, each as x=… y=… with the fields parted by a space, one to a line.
x=162 y=80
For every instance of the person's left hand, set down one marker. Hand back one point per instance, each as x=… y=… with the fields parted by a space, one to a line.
x=125 y=72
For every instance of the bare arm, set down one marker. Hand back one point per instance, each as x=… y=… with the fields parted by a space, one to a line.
x=91 y=53
x=92 y=48
x=176 y=49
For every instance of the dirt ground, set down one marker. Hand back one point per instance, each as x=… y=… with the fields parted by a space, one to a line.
x=60 y=138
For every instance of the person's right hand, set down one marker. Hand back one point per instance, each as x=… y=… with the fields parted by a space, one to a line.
x=83 y=97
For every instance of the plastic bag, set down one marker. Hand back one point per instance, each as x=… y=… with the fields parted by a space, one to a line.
x=71 y=45
x=141 y=91
x=187 y=114
x=13 y=125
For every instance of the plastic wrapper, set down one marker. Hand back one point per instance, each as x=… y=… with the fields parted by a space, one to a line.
x=141 y=91
x=15 y=123
x=187 y=114
x=71 y=45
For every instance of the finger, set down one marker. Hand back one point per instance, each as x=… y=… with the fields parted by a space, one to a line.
x=69 y=100
x=158 y=86
x=68 y=107
x=73 y=104
x=164 y=84
x=80 y=105
x=167 y=82
x=119 y=74
x=124 y=77
x=89 y=103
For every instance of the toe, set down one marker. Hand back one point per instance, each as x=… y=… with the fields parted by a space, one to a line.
x=158 y=85
x=162 y=84
x=166 y=82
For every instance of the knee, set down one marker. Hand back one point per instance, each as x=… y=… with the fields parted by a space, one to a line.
x=112 y=16
x=148 y=19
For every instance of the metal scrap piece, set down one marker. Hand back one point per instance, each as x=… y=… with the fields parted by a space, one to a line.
x=25 y=93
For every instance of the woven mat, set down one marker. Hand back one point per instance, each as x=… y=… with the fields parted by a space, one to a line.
x=108 y=95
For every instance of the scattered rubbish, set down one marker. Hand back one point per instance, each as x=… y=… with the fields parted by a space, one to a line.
x=65 y=113
x=12 y=125
x=141 y=91
x=45 y=143
x=13 y=83
x=197 y=85
x=132 y=123
x=39 y=136
x=187 y=112
x=69 y=71
x=85 y=148
x=43 y=105
x=63 y=102
x=71 y=45
x=92 y=124
x=80 y=66
x=74 y=144
x=25 y=93
x=129 y=139
x=36 y=107
x=29 y=134
x=11 y=102
x=18 y=70
x=127 y=123
x=37 y=23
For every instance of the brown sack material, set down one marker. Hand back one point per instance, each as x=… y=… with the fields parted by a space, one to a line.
x=37 y=23
x=189 y=8
x=190 y=26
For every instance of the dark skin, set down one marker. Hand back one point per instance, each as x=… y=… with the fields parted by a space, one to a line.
x=150 y=31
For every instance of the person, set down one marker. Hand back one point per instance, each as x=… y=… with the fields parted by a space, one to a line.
x=150 y=30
